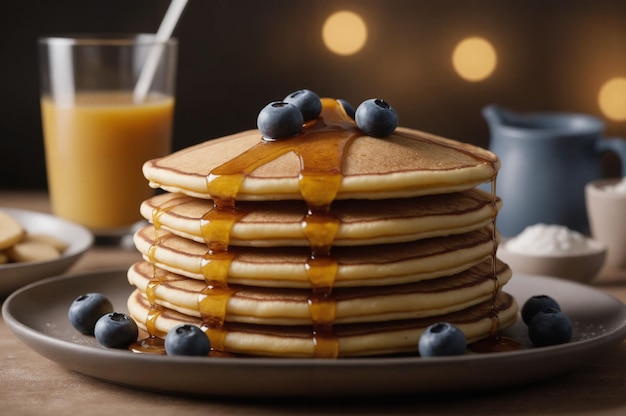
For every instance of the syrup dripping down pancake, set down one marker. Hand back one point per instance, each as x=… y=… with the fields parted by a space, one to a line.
x=376 y=265
x=365 y=290
x=283 y=306
x=365 y=339
x=274 y=223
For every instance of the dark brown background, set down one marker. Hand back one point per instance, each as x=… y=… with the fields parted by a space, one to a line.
x=236 y=55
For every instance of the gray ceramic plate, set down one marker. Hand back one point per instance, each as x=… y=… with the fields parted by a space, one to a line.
x=37 y=314
x=78 y=238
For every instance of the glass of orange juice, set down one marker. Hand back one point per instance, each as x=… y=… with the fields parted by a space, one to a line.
x=107 y=104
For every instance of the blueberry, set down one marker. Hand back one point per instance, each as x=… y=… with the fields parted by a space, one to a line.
x=307 y=102
x=376 y=118
x=187 y=340
x=86 y=309
x=116 y=330
x=347 y=107
x=279 y=120
x=550 y=327
x=536 y=304
x=442 y=339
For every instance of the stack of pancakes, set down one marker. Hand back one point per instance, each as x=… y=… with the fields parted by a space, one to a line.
x=327 y=244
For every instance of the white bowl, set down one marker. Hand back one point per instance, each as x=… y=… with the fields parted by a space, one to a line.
x=78 y=238
x=579 y=267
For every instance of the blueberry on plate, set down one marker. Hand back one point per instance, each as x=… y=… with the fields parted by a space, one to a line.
x=550 y=327
x=376 y=118
x=308 y=103
x=86 y=309
x=279 y=120
x=442 y=339
x=536 y=304
x=347 y=107
x=187 y=340
x=116 y=330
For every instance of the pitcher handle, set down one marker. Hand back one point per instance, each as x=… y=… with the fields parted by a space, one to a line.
x=616 y=145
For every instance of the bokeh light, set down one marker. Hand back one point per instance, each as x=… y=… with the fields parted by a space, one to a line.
x=612 y=99
x=474 y=59
x=344 y=33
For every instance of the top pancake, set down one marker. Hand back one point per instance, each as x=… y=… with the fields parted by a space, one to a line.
x=407 y=163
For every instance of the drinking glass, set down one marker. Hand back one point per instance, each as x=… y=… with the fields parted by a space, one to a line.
x=107 y=104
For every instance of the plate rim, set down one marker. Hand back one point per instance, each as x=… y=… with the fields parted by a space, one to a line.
x=49 y=346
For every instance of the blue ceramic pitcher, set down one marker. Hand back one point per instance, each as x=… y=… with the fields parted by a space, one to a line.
x=547 y=158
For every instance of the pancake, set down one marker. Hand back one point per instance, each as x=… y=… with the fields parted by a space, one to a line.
x=329 y=243
x=366 y=339
x=284 y=306
x=377 y=265
x=407 y=163
x=272 y=223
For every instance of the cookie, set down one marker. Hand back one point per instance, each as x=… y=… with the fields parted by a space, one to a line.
x=57 y=243
x=11 y=231
x=32 y=250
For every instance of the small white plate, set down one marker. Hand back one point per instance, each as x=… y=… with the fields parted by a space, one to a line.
x=37 y=314
x=78 y=238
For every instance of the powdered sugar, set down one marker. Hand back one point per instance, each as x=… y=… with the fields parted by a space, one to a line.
x=549 y=239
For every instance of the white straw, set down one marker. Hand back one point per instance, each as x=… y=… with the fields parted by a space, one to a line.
x=163 y=34
x=61 y=72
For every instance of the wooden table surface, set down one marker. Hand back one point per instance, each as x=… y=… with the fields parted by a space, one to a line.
x=33 y=385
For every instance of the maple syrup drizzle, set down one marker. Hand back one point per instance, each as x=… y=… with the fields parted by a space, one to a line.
x=153 y=344
x=493 y=314
x=495 y=319
x=495 y=342
x=320 y=148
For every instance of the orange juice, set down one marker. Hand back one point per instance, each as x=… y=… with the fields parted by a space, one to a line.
x=95 y=148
